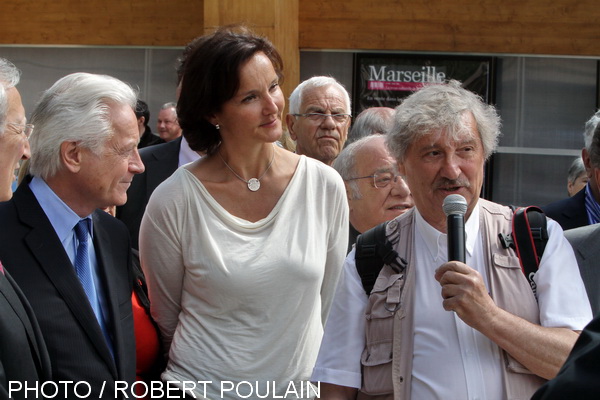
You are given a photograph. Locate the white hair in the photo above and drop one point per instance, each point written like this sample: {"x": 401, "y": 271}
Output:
{"x": 316, "y": 81}
{"x": 439, "y": 107}
{"x": 371, "y": 121}
{"x": 590, "y": 127}
{"x": 345, "y": 163}
{"x": 9, "y": 77}
{"x": 76, "y": 108}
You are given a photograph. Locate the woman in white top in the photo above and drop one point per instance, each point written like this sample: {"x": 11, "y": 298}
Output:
{"x": 242, "y": 249}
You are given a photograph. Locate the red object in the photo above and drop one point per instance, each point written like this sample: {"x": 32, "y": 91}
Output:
{"x": 147, "y": 345}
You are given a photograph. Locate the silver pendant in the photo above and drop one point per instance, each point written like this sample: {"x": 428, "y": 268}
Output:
{"x": 254, "y": 184}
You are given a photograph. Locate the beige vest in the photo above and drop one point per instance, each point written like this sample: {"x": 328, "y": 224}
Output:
{"x": 387, "y": 357}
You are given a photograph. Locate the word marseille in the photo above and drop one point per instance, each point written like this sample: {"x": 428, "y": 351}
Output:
{"x": 159, "y": 390}
{"x": 427, "y": 74}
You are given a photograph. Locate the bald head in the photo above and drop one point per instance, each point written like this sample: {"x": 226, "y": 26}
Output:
{"x": 375, "y": 191}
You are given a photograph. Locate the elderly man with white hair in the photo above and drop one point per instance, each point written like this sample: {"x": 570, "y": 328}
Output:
{"x": 319, "y": 118}
{"x": 71, "y": 259}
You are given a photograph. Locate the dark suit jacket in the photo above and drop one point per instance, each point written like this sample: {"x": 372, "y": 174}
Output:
{"x": 149, "y": 139}
{"x": 160, "y": 162}
{"x": 586, "y": 244}
{"x": 23, "y": 354}
{"x": 36, "y": 259}
{"x": 570, "y": 212}
{"x": 578, "y": 377}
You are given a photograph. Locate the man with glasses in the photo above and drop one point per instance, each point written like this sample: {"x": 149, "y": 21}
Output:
{"x": 23, "y": 354}
{"x": 319, "y": 118}
{"x": 375, "y": 191}
{"x": 583, "y": 208}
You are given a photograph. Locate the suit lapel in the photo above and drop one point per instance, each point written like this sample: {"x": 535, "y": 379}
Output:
{"x": 162, "y": 166}
{"x": 590, "y": 248}
{"x": 47, "y": 249}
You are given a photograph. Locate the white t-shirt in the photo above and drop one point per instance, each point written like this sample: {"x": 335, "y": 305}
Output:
{"x": 450, "y": 359}
{"x": 240, "y": 301}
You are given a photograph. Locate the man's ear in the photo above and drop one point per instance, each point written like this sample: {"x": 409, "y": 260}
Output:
{"x": 595, "y": 174}
{"x": 401, "y": 169}
{"x": 71, "y": 155}
{"x": 587, "y": 163}
{"x": 289, "y": 121}
{"x": 348, "y": 193}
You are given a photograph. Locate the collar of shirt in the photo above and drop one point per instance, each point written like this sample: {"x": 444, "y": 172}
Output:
{"x": 61, "y": 217}
{"x": 591, "y": 206}
{"x": 186, "y": 154}
{"x": 437, "y": 242}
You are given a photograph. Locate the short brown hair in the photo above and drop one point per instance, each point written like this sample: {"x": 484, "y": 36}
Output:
{"x": 211, "y": 77}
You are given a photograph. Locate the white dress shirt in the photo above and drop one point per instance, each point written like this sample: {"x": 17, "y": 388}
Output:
{"x": 186, "y": 154}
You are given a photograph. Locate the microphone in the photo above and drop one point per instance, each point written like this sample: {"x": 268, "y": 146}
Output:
{"x": 455, "y": 207}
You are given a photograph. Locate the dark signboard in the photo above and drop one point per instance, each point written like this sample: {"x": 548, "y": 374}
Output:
{"x": 383, "y": 80}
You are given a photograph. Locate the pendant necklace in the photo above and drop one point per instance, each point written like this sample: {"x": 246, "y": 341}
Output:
{"x": 253, "y": 183}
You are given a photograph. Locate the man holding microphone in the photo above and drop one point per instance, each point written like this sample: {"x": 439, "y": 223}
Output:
{"x": 498, "y": 342}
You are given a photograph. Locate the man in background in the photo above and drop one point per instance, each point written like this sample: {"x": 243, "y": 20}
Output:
{"x": 319, "y": 118}
{"x": 586, "y": 239}
{"x": 167, "y": 125}
{"x": 577, "y": 177}
{"x": 147, "y": 137}
{"x": 371, "y": 121}
{"x": 583, "y": 208}
{"x": 72, "y": 260}
{"x": 375, "y": 191}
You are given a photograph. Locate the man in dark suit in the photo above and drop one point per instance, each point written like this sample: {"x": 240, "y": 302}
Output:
{"x": 160, "y": 162}
{"x": 584, "y": 207}
{"x": 586, "y": 239}
{"x": 23, "y": 354}
{"x": 147, "y": 137}
{"x": 586, "y": 244}
{"x": 72, "y": 260}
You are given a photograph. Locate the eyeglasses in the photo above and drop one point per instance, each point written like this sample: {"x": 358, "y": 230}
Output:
{"x": 320, "y": 117}
{"x": 24, "y": 129}
{"x": 380, "y": 179}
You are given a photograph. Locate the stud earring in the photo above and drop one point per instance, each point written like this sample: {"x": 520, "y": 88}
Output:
{"x": 217, "y": 126}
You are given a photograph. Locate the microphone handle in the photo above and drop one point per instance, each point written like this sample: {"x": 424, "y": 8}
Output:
{"x": 456, "y": 238}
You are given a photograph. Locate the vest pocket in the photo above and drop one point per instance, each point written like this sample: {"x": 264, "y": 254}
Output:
{"x": 377, "y": 369}
{"x": 514, "y": 296}
{"x": 376, "y": 358}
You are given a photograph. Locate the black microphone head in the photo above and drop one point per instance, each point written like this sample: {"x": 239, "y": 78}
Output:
{"x": 454, "y": 204}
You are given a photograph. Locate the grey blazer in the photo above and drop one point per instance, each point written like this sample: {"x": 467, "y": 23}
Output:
{"x": 586, "y": 244}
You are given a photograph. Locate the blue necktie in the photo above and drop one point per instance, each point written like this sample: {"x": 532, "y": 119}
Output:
{"x": 82, "y": 263}
{"x": 84, "y": 273}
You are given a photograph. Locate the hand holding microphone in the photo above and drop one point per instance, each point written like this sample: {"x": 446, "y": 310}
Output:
{"x": 463, "y": 290}
{"x": 455, "y": 207}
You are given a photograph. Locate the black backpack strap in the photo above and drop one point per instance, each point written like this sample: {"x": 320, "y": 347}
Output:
{"x": 373, "y": 250}
{"x": 530, "y": 235}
